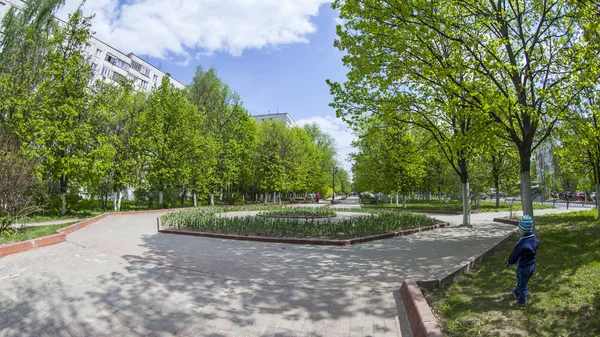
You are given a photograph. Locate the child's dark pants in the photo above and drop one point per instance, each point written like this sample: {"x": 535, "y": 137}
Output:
{"x": 523, "y": 276}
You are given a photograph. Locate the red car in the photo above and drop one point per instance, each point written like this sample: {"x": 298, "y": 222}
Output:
{"x": 579, "y": 196}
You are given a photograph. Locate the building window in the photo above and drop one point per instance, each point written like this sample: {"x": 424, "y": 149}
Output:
{"x": 130, "y": 76}
{"x": 88, "y": 48}
{"x": 135, "y": 65}
{"x": 94, "y": 66}
{"x": 155, "y": 78}
{"x": 98, "y": 52}
{"x": 114, "y": 60}
{"x": 143, "y": 84}
{"x": 118, "y": 77}
{"x": 105, "y": 72}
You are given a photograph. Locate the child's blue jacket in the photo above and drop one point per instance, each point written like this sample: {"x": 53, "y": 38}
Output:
{"x": 524, "y": 252}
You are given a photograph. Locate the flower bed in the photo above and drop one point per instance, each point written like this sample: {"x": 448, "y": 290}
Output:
{"x": 210, "y": 222}
{"x": 299, "y": 212}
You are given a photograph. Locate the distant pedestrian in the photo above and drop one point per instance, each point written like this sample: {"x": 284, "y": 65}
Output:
{"x": 524, "y": 256}
{"x": 318, "y": 196}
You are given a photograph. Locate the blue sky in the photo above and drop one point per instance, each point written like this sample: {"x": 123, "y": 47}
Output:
{"x": 276, "y": 54}
{"x": 289, "y": 77}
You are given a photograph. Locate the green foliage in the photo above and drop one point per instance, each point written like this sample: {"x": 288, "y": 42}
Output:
{"x": 464, "y": 69}
{"x": 207, "y": 221}
{"x": 564, "y": 292}
{"x": 29, "y": 233}
{"x": 100, "y": 138}
{"x": 312, "y": 212}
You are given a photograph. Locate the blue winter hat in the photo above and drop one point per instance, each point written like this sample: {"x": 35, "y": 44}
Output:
{"x": 526, "y": 224}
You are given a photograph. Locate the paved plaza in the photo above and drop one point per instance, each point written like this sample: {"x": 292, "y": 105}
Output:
{"x": 119, "y": 277}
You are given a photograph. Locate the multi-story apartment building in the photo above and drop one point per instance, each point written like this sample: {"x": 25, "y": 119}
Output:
{"x": 111, "y": 64}
{"x": 283, "y": 117}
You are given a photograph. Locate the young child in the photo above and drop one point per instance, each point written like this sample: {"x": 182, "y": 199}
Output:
{"x": 524, "y": 256}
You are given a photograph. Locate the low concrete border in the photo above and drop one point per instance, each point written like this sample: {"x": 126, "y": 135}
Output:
{"x": 22, "y": 246}
{"x": 507, "y": 221}
{"x": 471, "y": 263}
{"x": 17, "y": 247}
{"x": 302, "y": 241}
{"x": 422, "y": 321}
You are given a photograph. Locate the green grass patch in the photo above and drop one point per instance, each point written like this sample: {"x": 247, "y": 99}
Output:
{"x": 315, "y": 212}
{"x": 209, "y": 221}
{"x": 452, "y": 206}
{"x": 564, "y": 295}
{"x": 28, "y": 233}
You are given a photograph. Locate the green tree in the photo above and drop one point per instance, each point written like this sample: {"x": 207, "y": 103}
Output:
{"x": 528, "y": 59}
{"x": 168, "y": 133}
{"x": 62, "y": 129}
{"x": 24, "y": 47}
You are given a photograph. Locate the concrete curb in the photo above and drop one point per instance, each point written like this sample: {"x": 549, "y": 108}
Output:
{"x": 506, "y": 221}
{"x": 17, "y": 247}
{"x": 472, "y": 262}
{"x": 421, "y": 318}
{"x": 302, "y": 241}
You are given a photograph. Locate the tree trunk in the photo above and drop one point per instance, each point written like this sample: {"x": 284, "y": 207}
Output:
{"x": 119, "y": 197}
{"x": 466, "y": 201}
{"x": 525, "y": 162}
{"x": 497, "y": 186}
{"x": 598, "y": 202}
{"x": 212, "y": 198}
{"x": 526, "y": 200}
{"x": 396, "y": 199}
{"x": 404, "y": 201}
{"x": 195, "y": 198}
{"x": 63, "y": 194}
{"x": 183, "y": 193}
{"x": 274, "y": 198}
{"x": 115, "y": 201}
{"x": 63, "y": 200}
{"x": 160, "y": 198}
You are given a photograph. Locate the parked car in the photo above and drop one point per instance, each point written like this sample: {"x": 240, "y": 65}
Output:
{"x": 554, "y": 195}
{"x": 579, "y": 196}
{"x": 566, "y": 195}
{"x": 593, "y": 196}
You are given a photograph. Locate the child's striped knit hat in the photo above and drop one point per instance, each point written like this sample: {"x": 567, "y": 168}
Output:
{"x": 526, "y": 224}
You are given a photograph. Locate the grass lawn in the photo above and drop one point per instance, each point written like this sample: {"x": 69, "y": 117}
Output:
{"x": 564, "y": 295}
{"x": 452, "y": 206}
{"x": 28, "y": 233}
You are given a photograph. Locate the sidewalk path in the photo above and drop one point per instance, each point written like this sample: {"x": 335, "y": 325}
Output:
{"x": 48, "y": 223}
{"x": 119, "y": 277}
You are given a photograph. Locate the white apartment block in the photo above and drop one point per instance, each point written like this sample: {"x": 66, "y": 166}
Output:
{"x": 111, "y": 64}
{"x": 283, "y": 117}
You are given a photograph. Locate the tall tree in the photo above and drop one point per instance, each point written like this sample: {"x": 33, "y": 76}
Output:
{"x": 24, "y": 46}
{"x": 168, "y": 133}
{"x": 530, "y": 58}
{"x": 62, "y": 129}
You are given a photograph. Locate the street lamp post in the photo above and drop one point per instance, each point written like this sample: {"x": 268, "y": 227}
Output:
{"x": 334, "y": 171}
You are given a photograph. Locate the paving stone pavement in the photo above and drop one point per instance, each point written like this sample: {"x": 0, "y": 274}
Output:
{"x": 119, "y": 277}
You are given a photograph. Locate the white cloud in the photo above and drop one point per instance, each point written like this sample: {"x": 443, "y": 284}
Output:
{"x": 188, "y": 28}
{"x": 339, "y": 131}
{"x": 339, "y": 21}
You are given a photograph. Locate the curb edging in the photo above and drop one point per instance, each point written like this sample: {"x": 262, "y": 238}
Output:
{"x": 61, "y": 236}
{"x": 506, "y": 221}
{"x": 302, "y": 241}
{"x": 472, "y": 262}
{"x": 422, "y": 321}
